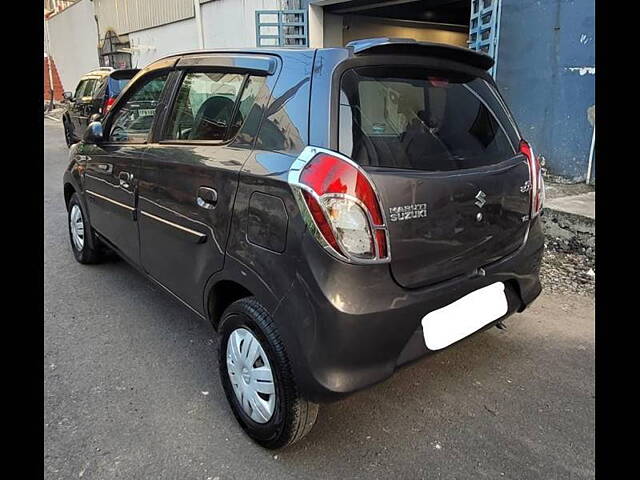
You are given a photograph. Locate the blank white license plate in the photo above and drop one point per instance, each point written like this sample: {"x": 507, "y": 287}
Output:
{"x": 461, "y": 318}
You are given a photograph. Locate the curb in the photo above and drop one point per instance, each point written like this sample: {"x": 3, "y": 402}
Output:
{"x": 569, "y": 232}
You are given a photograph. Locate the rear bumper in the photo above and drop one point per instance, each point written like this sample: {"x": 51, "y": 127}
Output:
{"x": 348, "y": 327}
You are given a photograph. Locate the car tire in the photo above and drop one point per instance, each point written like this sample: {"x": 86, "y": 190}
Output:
{"x": 79, "y": 233}
{"x": 291, "y": 415}
{"x": 68, "y": 136}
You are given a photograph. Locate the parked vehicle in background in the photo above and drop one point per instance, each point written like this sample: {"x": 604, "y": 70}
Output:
{"x": 95, "y": 93}
{"x": 335, "y": 213}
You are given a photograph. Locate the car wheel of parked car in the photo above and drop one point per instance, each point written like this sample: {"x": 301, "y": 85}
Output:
{"x": 257, "y": 377}
{"x": 68, "y": 136}
{"x": 79, "y": 232}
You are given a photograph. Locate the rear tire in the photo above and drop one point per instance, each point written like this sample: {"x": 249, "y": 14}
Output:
{"x": 288, "y": 417}
{"x": 79, "y": 233}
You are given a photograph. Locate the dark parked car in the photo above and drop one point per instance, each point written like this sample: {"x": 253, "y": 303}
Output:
{"x": 95, "y": 93}
{"x": 335, "y": 213}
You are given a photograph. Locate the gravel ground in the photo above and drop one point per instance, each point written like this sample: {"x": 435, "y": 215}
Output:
{"x": 567, "y": 272}
{"x": 568, "y": 265}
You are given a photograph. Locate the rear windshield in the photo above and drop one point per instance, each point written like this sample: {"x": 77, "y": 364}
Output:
{"x": 422, "y": 120}
{"x": 116, "y": 86}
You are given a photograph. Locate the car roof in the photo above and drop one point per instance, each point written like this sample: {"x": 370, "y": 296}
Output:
{"x": 362, "y": 47}
{"x": 248, "y": 51}
{"x": 278, "y": 51}
{"x": 99, "y": 72}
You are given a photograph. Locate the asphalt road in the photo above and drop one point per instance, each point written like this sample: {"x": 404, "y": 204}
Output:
{"x": 132, "y": 390}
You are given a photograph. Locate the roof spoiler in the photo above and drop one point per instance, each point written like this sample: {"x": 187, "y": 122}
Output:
{"x": 410, "y": 46}
{"x": 125, "y": 74}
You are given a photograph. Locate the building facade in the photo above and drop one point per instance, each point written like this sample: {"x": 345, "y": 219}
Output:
{"x": 73, "y": 38}
{"x": 544, "y": 49}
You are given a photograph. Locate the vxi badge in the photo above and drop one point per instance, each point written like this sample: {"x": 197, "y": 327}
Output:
{"x": 407, "y": 212}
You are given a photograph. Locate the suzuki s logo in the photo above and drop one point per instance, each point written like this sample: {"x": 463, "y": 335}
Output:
{"x": 481, "y": 199}
{"x": 407, "y": 212}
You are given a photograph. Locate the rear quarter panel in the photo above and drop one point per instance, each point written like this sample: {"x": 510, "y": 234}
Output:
{"x": 282, "y": 135}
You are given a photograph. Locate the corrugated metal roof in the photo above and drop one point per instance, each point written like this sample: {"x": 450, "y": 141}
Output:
{"x": 125, "y": 16}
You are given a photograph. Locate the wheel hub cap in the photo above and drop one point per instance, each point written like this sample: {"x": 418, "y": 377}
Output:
{"x": 250, "y": 375}
{"x": 77, "y": 227}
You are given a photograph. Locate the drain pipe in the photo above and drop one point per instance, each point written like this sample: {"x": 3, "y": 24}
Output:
{"x": 590, "y": 167}
{"x": 198, "y": 18}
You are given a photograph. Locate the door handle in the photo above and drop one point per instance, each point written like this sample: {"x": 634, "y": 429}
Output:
{"x": 207, "y": 198}
{"x": 125, "y": 179}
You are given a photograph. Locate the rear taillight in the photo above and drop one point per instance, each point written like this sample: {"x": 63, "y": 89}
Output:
{"x": 340, "y": 206}
{"x": 535, "y": 177}
{"x": 107, "y": 105}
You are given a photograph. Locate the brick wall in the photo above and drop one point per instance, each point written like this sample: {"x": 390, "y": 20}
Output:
{"x": 57, "y": 85}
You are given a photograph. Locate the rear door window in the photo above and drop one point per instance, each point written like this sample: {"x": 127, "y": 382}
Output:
{"x": 421, "y": 120}
{"x": 211, "y": 106}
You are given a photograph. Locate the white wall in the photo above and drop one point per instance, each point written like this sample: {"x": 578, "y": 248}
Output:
{"x": 153, "y": 43}
{"x": 73, "y": 38}
{"x": 232, "y": 23}
{"x": 225, "y": 23}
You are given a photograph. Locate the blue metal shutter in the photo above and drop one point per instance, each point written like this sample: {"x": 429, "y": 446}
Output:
{"x": 484, "y": 28}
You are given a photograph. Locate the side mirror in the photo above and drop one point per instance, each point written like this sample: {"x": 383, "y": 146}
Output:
{"x": 93, "y": 133}
{"x": 68, "y": 96}
{"x": 96, "y": 117}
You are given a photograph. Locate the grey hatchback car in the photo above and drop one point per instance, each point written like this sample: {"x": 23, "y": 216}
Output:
{"x": 335, "y": 213}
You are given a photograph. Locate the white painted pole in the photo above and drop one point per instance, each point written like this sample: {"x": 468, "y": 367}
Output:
{"x": 196, "y": 9}
{"x": 498, "y": 12}
{"x": 49, "y": 60}
{"x": 593, "y": 142}
{"x": 316, "y": 26}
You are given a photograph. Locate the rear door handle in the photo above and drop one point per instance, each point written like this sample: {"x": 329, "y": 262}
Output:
{"x": 125, "y": 179}
{"x": 207, "y": 198}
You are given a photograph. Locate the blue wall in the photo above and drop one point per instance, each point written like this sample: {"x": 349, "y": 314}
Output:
{"x": 546, "y": 72}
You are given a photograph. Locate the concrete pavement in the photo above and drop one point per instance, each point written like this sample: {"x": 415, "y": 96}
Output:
{"x": 583, "y": 205}
{"x": 131, "y": 389}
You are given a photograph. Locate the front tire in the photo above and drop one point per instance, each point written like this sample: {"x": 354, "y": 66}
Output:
{"x": 69, "y": 138}
{"x": 257, "y": 378}
{"x": 79, "y": 233}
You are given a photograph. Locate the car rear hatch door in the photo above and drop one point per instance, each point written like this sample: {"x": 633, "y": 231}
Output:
{"x": 442, "y": 151}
